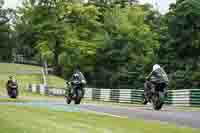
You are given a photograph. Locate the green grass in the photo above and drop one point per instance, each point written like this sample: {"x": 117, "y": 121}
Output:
{"x": 13, "y": 68}
{"x": 7, "y": 69}
{"x": 33, "y": 120}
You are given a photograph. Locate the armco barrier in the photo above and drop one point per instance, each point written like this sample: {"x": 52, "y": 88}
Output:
{"x": 185, "y": 97}
{"x": 40, "y": 89}
{"x": 56, "y": 92}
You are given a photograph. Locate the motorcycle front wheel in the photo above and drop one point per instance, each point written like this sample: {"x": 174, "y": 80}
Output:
{"x": 157, "y": 101}
{"x": 79, "y": 96}
{"x": 68, "y": 99}
{"x": 13, "y": 94}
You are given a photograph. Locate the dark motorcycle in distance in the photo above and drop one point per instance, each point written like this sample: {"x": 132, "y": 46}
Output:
{"x": 76, "y": 93}
{"x": 12, "y": 89}
{"x": 156, "y": 95}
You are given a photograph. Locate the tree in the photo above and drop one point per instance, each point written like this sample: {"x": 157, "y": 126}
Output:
{"x": 129, "y": 46}
{"x": 56, "y": 27}
{"x": 182, "y": 45}
{"x": 6, "y": 44}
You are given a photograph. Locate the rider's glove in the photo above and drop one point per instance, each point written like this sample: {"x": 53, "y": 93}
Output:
{"x": 83, "y": 81}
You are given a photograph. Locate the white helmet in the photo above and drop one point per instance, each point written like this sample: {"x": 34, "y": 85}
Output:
{"x": 156, "y": 66}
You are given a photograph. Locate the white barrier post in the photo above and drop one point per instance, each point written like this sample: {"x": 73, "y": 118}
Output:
{"x": 34, "y": 88}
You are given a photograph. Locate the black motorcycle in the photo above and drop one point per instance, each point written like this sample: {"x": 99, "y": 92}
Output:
{"x": 156, "y": 95}
{"x": 76, "y": 92}
{"x": 12, "y": 89}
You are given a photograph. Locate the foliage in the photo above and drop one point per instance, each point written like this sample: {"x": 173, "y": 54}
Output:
{"x": 6, "y": 33}
{"x": 55, "y": 30}
{"x": 129, "y": 46}
{"x": 115, "y": 42}
{"x": 183, "y": 42}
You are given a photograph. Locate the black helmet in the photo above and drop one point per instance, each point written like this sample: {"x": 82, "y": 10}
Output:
{"x": 10, "y": 77}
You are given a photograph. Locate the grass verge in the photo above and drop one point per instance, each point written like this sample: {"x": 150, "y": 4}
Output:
{"x": 15, "y": 119}
{"x": 26, "y": 74}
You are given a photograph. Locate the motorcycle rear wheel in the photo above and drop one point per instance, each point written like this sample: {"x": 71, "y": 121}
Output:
{"x": 68, "y": 100}
{"x": 144, "y": 100}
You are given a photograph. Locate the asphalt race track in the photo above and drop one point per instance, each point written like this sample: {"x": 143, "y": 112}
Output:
{"x": 167, "y": 115}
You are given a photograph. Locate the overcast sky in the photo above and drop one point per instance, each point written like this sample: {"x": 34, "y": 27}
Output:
{"x": 162, "y": 5}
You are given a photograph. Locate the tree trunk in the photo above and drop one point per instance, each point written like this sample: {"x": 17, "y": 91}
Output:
{"x": 58, "y": 70}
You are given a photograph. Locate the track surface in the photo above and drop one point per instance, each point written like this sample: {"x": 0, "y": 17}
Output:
{"x": 167, "y": 114}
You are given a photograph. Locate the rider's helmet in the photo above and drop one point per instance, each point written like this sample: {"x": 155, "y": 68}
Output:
{"x": 156, "y": 66}
{"x": 10, "y": 77}
{"x": 75, "y": 76}
{"x": 12, "y": 80}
